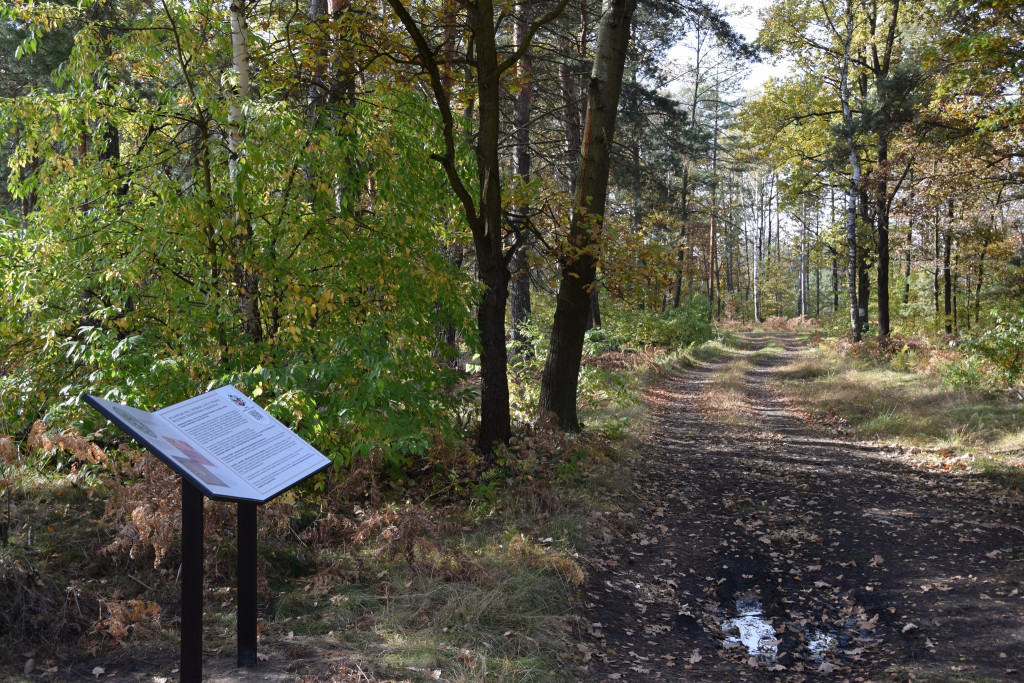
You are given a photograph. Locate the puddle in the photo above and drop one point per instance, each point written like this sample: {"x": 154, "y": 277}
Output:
{"x": 750, "y": 629}
{"x": 821, "y": 644}
{"x": 755, "y": 632}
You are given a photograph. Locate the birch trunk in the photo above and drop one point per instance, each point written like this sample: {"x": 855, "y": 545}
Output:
{"x": 851, "y": 197}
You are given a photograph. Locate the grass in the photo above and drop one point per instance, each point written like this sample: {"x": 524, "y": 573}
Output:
{"x": 890, "y": 401}
{"x": 475, "y": 574}
{"x": 742, "y": 354}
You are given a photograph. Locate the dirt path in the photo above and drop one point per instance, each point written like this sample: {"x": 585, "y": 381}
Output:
{"x": 866, "y": 567}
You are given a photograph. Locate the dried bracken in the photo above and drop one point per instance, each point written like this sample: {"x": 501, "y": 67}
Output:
{"x": 71, "y": 441}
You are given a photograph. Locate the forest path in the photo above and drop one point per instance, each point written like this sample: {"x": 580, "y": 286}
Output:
{"x": 865, "y": 566}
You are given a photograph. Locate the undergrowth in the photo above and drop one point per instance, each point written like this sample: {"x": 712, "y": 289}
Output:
{"x": 465, "y": 566}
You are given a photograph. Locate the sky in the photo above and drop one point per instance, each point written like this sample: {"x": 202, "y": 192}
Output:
{"x": 743, "y": 15}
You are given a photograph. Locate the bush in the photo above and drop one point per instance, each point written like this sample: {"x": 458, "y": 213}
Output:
{"x": 674, "y": 328}
{"x": 1002, "y": 345}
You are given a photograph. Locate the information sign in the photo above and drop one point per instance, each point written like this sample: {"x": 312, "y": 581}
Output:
{"x": 222, "y": 442}
{"x": 225, "y": 447}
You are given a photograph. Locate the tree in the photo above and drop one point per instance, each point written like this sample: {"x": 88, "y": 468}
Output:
{"x": 579, "y": 266}
{"x": 484, "y": 212}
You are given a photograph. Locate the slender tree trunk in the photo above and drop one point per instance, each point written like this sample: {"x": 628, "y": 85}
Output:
{"x": 981, "y": 277}
{"x": 937, "y": 249}
{"x": 483, "y": 213}
{"x": 947, "y": 274}
{"x": 758, "y": 244}
{"x": 448, "y": 347}
{"x": 851, "y": 197}
{"x": 863, "y": 294}
{"x": 520, "y": 299}
{"x": 560, "y": 380}
{"x": 681, "y": 256}
{"x": 495, "y": 415}
{"x": 906, "y": 266}
{"x": 246, "y": 274}
{"x": 882, "y": 221}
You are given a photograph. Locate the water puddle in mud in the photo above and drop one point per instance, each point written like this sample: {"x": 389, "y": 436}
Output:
{"x": 750, "y": 629}
{"x": 754, "y": 631}
{"x": 821, "y": 644}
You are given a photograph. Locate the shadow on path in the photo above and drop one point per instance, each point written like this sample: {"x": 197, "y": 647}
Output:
{"x": 865, "y": 566}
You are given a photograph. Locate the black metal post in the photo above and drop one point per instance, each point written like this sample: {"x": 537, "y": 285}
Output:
{"x": 191, "y": 583}
{"x": 246, "y": 584}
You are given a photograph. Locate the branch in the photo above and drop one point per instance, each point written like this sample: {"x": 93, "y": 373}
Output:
{"x": 507, "y": 63}
{"x": 429, "y": 63}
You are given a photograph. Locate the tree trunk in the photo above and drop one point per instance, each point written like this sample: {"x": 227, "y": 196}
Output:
{"x": 981, "y": 277}
{"x": 677, "y": 294}
{"x": 758, "y": 244}
{"x": 495, "y": 415}
{"x": 520, "y": 299}
{"x": 936, "y": 248}
{"x": 560, "y": 380}
{"x": 594, "y": 316}
{"x": 906, "y": 266}
{"x": 947, "y": 275}
{"x": 246, "y": 274}
{"x": 851, "y": 197}
{"x": 863, "y": 295}
{"x": 882, "y": 221}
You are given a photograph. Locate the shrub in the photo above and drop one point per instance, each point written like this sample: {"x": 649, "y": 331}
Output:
{"x": 674, "y": 328}
{"x": 1002, "y": 345}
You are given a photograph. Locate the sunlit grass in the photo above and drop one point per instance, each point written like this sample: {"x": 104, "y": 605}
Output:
{"x": 911, "y": 407}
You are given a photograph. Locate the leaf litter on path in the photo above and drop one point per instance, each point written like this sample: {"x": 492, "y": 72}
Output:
{"x": 838, "y": 542}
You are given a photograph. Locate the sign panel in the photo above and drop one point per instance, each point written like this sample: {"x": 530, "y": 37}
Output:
{"x": 222, "y": 442}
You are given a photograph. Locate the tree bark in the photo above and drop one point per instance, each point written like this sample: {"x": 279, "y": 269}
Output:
{"x": 560, "y": 380}
{"x": 520, "y": 266}
{"x": 851, "y": 197}
{"x": 246, "y": 276}
{"x": 947, "y": 275}
{"x": 863, "y": 294}
{"x": 882, "y": 222}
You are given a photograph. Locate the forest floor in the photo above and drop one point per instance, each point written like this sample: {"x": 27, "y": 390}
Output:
{"x": 746, "y": 540}
{"x": 838, "y": 558}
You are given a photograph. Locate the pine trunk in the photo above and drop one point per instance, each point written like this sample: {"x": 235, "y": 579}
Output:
{"x": 560, "y": 380}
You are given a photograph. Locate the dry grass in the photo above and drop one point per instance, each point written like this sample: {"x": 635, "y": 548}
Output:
{"x": 474, "y": 573}
{"x": 882, "y": 396}
{"x": 728, "y": 396}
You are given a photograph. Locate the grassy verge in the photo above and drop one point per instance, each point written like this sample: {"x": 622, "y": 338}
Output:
{"x": 886, "y": 399}
{"x": 467, "y": 571}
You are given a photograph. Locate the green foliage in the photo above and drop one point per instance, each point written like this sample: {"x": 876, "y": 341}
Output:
{"x": 128, "y": 276}
{"x": 1002, "y": 345}
{"x": 965, "y": 371}
{"x": 674, "y": 328}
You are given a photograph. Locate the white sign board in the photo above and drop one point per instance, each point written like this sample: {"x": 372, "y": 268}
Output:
{"x": 225, "y": 444}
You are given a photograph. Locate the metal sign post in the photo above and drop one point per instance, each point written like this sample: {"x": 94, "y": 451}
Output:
{"x": 246, "y": 584}
{"x": 224, "y": 447}
{"x": 191, "y": 583}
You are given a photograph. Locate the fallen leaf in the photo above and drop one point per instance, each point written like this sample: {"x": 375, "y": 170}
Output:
{"x": 910, "y": 627}
{"x": 98, "y": 671}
